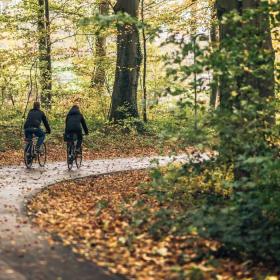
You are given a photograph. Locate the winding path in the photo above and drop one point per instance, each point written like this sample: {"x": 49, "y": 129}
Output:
{"x": 24, "y": 251}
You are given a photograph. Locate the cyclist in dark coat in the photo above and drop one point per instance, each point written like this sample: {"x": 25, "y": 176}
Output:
{"x": 33, "y": 122}
{"x": 75, "y": 122}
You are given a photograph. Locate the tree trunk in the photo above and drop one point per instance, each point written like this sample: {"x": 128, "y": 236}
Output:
{"x": 225, "y": 31}
{"x": 129, "y": 57}
{"x": 253, "y": 84}
{"x": 214, "y": 41}
{"x": 44, "y": 43}
{"x": 265, "y": 82}
{"x": 99, "y": 74}
{"x": 145, "y": 117}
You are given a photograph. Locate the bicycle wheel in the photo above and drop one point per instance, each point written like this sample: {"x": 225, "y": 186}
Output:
{"x": 79, "y": 159}
{"x": 70, "y": 155}
{"x": 42, "y": 155}
{"x": 28, "y": 155}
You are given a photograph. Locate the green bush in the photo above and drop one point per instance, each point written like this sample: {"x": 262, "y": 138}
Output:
{"x": 235, "y": 197}
{"x": 249, "y": 222}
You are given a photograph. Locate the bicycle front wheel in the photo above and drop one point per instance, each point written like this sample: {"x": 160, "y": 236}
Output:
{"x": 42, "y": 155}
{"x": 28, "y": 155}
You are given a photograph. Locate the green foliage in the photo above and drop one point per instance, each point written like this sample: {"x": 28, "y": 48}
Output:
{"x": 249, "y": 222}
{"x": 235, "y": 196}
{"x": 10, "y": 138}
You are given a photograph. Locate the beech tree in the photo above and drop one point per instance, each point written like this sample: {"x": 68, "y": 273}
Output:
{"x": 247, "y": 80}
{"x": 214, "y": 32}
{"x": 44, "y": 43}
{"x": 99, "y": 73}
{"x": 264, "y": 82}
{"x": 129, "y": 57}
{"x": 144, "y": 38}
{"x": 225, "y": 31}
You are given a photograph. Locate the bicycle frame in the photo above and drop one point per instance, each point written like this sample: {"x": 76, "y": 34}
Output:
{"x": 30, "y": 154}
{"x": 29, "y": 144}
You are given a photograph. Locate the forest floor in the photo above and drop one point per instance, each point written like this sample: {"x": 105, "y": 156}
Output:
{"x": 92, "y": 218}
{"x": 96, "y": 217}
{"x": 25, "y": 252}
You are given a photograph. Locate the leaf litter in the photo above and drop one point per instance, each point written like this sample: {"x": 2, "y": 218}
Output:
{"x": 94, "y": 217}
{"x": 57, "y": 152}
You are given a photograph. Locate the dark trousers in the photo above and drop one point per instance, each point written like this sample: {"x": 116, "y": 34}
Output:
{"x": 38, "y": 132}
{"x": 79, "y": 137}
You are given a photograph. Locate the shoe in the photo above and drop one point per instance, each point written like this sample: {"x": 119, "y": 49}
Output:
{"x": 39, "y": 150}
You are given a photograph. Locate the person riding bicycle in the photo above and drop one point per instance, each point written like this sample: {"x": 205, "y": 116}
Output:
{"x": 32, "y": 125}
{"x": 75, "y": 122}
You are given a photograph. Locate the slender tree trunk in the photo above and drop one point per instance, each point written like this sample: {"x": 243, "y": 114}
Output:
{"x": 129, "y": 57}
{"x": 3, "y": 94}
{"x": 99, "y": 73}
{"x": 214, "y": 41}
{"x": 145, "y": 117}
{"x": 44, "y": 43}
{"x": 41, "y": 42}
{"x": 48, "y": 55}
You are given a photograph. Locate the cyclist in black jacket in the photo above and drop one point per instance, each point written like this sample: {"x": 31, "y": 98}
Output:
{"x": 75, "y": 122}
{"x": 32, "y": 125}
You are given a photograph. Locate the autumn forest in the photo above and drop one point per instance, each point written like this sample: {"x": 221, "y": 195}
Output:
{"x": 139, "y": 139}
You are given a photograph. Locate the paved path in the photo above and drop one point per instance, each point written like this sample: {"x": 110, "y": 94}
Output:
{"x": 25, "y": 252}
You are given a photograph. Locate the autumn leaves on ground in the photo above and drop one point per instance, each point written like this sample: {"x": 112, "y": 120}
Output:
{"x": 99, "y": 218}
{"x": 104, "y": 219}
{"x": 151, "y": 77}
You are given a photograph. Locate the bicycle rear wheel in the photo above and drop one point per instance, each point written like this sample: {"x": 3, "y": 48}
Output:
{"x": 28, "y": 155}
{"x": 42, "y": 155}
{"x": 79, "y": 159}
{"x": 70, "y": 155}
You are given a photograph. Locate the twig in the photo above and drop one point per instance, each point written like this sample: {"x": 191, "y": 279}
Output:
{"x": 111, "y": 5}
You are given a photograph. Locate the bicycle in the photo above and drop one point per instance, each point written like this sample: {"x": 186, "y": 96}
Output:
{"x": 30, "y": 154}
{"x": 73, "y": 154}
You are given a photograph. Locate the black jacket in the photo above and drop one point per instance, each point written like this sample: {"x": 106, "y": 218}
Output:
{"x": 35, "y": 118}
{"x": 75, "y": 121}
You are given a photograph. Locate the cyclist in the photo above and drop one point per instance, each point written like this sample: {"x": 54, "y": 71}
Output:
{"x": 32, "y": 125}
{"x": 75, "y": 122}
